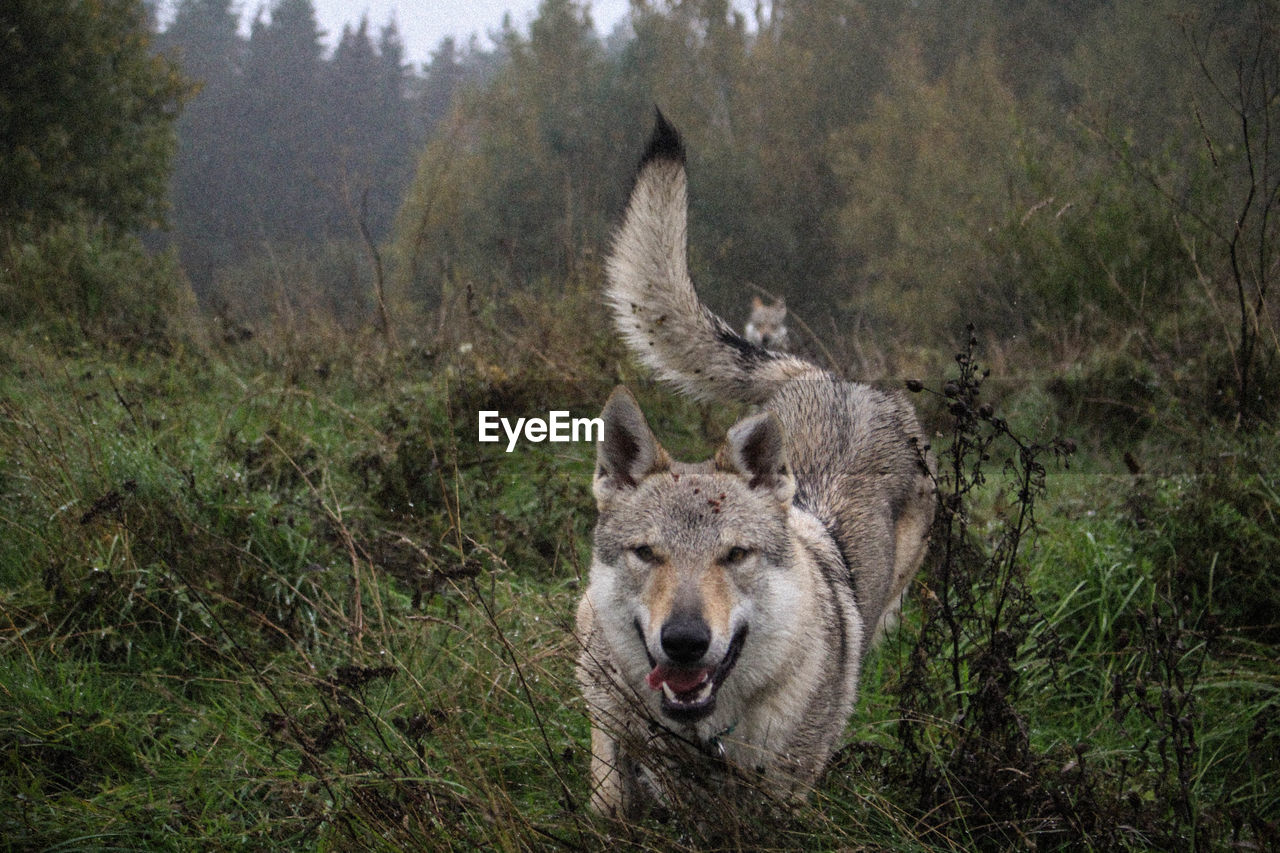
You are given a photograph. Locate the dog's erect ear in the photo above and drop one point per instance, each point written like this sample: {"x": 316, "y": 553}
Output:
{"x": 628, "y": 452}
{"x": 755, "y": 448}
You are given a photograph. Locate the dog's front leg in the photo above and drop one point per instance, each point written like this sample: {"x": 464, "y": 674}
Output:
{"x": 606, "y": 774}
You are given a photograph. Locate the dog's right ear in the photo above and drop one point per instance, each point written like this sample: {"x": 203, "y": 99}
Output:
{"x": 628, "y": 452}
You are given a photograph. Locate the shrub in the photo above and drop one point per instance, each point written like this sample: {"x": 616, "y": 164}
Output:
{"x": 81, "y": 280}
{"x": 964, "y": 744}
{"x": 1111, "y": 394}
{"x": 1215, "y": 531}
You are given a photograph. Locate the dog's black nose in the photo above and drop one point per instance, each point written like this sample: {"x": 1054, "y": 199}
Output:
{"x": 685, "y": 639}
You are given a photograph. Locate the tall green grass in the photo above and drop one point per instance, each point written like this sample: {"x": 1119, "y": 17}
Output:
{"x": 274, "y": 594}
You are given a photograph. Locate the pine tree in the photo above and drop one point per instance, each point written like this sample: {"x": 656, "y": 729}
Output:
{"x": 443, "y": 74}
{"x": 368, "y": 119}
{"x": 351, "y": 101}
{"x": 87, "y": 114}
{"x": 284, "y": 158}
{"x": 203, "y": 39}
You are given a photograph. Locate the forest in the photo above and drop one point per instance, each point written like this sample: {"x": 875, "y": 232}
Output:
{"x": 261, "y": 586}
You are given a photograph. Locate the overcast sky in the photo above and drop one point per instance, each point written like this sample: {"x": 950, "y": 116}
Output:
{"x": 423, "y": 23}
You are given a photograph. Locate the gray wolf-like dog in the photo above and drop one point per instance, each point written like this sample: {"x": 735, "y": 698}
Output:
{"x": 731, "y": 601}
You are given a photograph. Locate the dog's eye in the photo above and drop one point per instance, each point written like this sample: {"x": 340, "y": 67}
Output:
{"x": 735, "y": 555}
{"x": 645, "y": 554}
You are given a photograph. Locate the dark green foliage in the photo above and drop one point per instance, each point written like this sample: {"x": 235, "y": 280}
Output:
{"x": 1095, "y": 250}
{"x": 207, "y": 183}
{"x": 1214, "y": 531}
{"x": 371, "y": 127}
{"x": 514, "y": 186}
{"x": 86, "y": 116}
{"x": 81, "y": 279}
{"x": 282, "y": 100}
{"x": 1115, "y": 396}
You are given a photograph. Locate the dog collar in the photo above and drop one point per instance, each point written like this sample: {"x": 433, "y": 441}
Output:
{"x": 715, "y": 746}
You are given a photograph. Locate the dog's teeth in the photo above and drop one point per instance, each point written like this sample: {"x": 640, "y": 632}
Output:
{"x": 703, "y": 694}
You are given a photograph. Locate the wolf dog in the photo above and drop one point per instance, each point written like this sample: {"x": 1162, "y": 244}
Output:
{"x": 767, "y": 324}
{"x": 730, "y": 602}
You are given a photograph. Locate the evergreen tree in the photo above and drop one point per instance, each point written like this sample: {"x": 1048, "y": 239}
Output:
{"x": 542, "y": 138}
{"x": 203, "y": 39}
{"x": 443, "y": 73}
{"x": 206, "y": 192}
{"x": 393, "y": 75}
{"x": 284, "y": 146}
{"x": 399, "y": 134}
{"x": 353, "y": 110}
{"x": 368, "y": 117}
{"x": 87, "y": 114}
{"x": 283, "y": 153}
{"x": 928, "y": 175}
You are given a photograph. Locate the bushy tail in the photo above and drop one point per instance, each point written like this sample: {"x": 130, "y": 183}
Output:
{"x": 654, "y": 303}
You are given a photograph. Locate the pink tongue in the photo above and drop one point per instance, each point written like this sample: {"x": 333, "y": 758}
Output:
{"x": 679, "y": 680}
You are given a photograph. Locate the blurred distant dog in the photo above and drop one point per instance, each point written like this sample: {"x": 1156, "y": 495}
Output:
{"x": 767, "y": 325}
{"x": 731, "y": 601}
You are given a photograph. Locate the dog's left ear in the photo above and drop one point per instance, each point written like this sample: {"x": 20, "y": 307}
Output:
{"x": 756, "y": 449}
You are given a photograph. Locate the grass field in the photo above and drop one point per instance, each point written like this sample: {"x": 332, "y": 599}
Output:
{"x": 278, "y": 596}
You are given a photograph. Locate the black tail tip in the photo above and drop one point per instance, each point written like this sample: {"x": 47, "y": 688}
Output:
{"x": 665, "y": 142}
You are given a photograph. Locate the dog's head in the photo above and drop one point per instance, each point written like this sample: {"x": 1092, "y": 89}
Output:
{"x": 689, "y": 576}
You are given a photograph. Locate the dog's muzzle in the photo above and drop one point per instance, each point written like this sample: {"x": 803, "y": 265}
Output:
{"x": 689, "y": 691}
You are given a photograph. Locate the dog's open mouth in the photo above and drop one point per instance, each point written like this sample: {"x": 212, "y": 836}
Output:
{"x": 688, "y": 695}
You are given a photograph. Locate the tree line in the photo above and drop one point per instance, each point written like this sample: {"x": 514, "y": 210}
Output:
{"x": 220, "y": 146}
{"x": 1063, "y": 174}
{"x": 284, "y": 145}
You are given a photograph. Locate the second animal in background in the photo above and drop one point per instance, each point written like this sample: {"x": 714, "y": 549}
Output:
{"x": 767, "y": 325}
